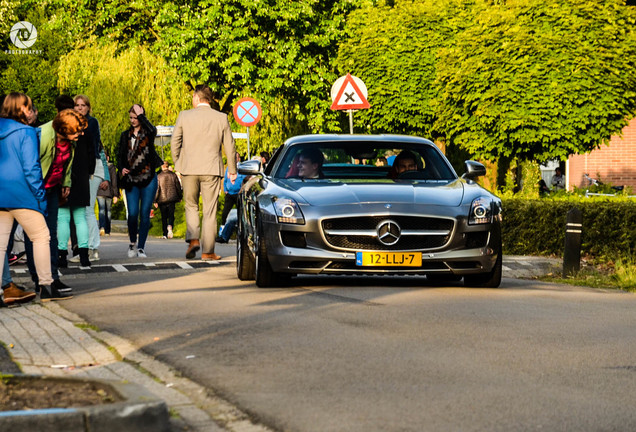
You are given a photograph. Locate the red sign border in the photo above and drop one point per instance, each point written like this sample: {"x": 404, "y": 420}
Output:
{"x": 364, "y": 104}
{"x": 258, "y": 106}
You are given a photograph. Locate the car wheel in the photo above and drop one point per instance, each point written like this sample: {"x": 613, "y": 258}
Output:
{"x": 491, "y": 279}
{"x": 265, "y": 276}
{"x": 245, "y": 265}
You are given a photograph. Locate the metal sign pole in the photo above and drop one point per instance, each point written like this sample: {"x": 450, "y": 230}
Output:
{"x": 248, "y": 143}
{"x": 351, "y": 122}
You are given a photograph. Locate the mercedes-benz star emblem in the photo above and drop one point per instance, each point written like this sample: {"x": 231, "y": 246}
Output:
{"x": 388, "y": 232}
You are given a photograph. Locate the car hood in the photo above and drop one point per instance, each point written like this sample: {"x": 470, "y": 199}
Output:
{"x": 329, "y": 192}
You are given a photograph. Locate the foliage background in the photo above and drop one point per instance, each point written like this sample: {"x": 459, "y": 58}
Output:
{"x": 115, "y": 80}
{"x": 495, "y": 79}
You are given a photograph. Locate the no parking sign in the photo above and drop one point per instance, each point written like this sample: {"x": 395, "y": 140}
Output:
{"x": 247, "y": 112}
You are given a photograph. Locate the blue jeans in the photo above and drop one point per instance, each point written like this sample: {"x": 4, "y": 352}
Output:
{"x": 105, "y": 204}
{"x": 230, "y": 225}
{"x": 52, "y": 206}
{"x": 139, "y": 205}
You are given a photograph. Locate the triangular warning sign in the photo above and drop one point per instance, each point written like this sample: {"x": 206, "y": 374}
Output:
{"x": 349, "y": 96}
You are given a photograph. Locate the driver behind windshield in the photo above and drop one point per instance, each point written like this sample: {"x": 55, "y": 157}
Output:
{"x": 310, "y": 163}
{"x": 405, "y": 161}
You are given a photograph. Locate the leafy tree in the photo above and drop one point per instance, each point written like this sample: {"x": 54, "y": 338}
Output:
{"x": 8, "y": 17}
{"x": 276, "y": 51}
{"x": 393, "y": 48}
{"x": 537, "y": 79}
{"x": 527, "y": 79}
{"x": 114, "y": 81}
{"x": 279, "y": 50}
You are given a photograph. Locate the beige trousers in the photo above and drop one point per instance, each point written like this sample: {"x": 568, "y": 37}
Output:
{"x": 208, "y": 187}
{"x": 34, "y": 225}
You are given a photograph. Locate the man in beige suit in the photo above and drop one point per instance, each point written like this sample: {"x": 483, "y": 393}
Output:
{"x": 198, "y": 136}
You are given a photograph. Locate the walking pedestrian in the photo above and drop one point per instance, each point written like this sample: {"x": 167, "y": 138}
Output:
{"x": 106, "y": 198}
{"x": 198, "y": 137}
{"x": 25, "y": 192}
{"x": 74, "y": 208}
{"x": 100, "y": 177}
{"x": 231, "y": 189}
{"x": 169, "y": 192}
{"x": 137, "y": 162}
{"x": 57, "y": 145}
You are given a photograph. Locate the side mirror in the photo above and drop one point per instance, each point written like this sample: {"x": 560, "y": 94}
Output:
{"x": 474, "y": 170}
{"x": 250, "y": 167}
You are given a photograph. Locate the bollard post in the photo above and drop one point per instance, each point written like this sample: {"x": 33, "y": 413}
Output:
{"x": 572, "y": 252}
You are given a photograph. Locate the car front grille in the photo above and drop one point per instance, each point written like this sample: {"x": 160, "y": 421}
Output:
{"x": 360, "y": 233}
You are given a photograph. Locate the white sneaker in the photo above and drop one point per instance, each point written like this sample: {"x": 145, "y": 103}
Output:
{"x": 141, "y": 253}
{"x": 132, "y": 253}
{"x": 170, "y": 234}
{"x": 93, "y": 255}
{"x": 75, "y": 259}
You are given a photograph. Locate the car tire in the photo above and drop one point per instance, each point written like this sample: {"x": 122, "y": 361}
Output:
{"x": 245, "y": 265}
{"x": 492, "y": 279}
{"x": 265, "y": 276}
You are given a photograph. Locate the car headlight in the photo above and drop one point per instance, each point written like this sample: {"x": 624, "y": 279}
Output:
{"x": 480, "y": 211}
{"x": 288, "y": 211}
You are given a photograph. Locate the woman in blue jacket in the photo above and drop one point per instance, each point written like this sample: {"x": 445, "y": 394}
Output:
{"x": 22, "y": 194}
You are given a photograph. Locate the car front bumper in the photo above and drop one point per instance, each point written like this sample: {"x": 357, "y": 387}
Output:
{"x": 303, "y": 249}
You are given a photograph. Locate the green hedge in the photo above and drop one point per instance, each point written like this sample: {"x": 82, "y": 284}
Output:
{"x": 537, "y": 226}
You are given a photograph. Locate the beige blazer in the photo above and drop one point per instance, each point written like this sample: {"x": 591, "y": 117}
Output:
{"x": 197, "y": 139}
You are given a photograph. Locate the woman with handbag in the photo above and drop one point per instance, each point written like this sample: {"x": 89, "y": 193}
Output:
{"x": 137, "y": 162}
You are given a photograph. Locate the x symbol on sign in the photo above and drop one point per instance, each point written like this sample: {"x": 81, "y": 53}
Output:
{"x": 350, "y": 97}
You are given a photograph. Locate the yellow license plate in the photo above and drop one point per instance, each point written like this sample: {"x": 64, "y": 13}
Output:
{"x": 389, "y": 259}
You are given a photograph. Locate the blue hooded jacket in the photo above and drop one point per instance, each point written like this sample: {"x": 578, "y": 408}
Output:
{"x": 21, "y": 183}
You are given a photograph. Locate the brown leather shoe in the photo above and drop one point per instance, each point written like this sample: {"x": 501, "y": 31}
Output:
{"x": 210, "y": 257}
{"x": 13, "y": 294}
{"x": 193, "y": 248}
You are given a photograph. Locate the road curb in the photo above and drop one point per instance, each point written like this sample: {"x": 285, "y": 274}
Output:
{"x": 139, "y": 411}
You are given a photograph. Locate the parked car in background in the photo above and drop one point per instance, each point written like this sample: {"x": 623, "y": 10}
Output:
{"x": 329, "y": 205}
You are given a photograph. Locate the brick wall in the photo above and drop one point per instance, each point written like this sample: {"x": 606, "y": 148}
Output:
{"x": 614, "y": 163}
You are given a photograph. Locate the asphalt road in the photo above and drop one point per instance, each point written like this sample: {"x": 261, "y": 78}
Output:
{"x": 378, "y": 354}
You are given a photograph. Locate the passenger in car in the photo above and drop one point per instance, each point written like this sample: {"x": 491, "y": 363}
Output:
{"x": 381, "y": 161}
{"x": 293, "y": 168}
{"x": 310, "y": 164}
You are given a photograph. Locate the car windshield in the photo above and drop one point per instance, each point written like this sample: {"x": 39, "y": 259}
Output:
{"x": 363, "y": 160}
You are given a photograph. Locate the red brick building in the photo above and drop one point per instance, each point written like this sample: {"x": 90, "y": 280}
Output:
{"x": 614, "y": 163}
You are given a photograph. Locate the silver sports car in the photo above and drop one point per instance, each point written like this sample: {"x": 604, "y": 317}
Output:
{"x": 366, "y": 204}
